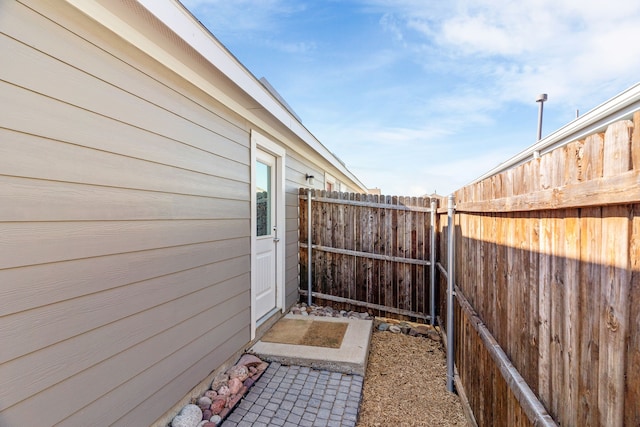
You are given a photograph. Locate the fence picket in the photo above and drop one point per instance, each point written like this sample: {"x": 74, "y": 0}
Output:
{"x": 561, "y": 297}
{"x": 387, "y": 250}
{"x": 632, "y": 389}
{"x": 371, "y": 250}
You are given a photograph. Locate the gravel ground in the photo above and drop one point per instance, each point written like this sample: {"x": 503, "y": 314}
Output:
{"x": 405, "y": 384}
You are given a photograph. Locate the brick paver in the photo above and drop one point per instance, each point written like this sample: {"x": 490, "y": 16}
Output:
{"x": 299, "y": 396}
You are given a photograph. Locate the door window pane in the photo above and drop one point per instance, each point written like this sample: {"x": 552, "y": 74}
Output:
{"x": 263, "y": 197}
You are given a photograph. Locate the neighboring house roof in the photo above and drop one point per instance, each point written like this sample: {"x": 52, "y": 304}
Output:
{"x": 248, "y": 96}
{"x": 620, "y": 107}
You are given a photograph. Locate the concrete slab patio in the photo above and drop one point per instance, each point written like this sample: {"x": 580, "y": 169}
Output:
{"x": 350, "y": 357}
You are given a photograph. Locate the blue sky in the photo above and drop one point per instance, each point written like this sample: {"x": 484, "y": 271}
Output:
{"x": 417, "y": 96}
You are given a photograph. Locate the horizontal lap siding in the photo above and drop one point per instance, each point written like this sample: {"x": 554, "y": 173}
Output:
{"x": 297, "y": 169}
{"x": 125, "y": 224}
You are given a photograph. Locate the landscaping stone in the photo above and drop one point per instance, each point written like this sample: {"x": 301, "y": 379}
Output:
{"x": 203, "y": 402}
{"x": 249, "y": 360}
{"x": 327, "y": 311}
{"x": 226, "y": 391}
{"x": 219, "y": 381}
{"x": 189, "y": 416}
{"x": 383, "y": 326}
{"x": 238, "y": 371}
{"x": 206, "y": 414}
{"x": 218, "y": 405}
{"x": 235, "y": 384}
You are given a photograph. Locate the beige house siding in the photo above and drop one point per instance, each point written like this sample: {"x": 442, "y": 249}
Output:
{"x": 297, "y": 169}
{"x": 124, "y": 224}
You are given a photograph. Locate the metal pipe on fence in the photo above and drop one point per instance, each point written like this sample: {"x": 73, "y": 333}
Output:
{"x": 432, "y": 267}
{"x": 542, "y": 98}
{"x": 309, "y": 244}
{"x": 450, "y": 290}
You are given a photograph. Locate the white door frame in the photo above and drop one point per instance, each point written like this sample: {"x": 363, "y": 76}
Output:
{"x": 259, "y": 141}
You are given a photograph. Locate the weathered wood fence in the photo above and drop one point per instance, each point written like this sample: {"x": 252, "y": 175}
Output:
{"x": 547, "y": 278}
{"x": 369, "y": 251}
{"x": 548, "y": 273}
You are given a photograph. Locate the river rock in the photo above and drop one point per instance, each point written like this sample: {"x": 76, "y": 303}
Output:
{"x": 219, "y": 381}
{"x": 189, "y": 416}
{"x": 238, "y": 371}
{"x": 249, "y": 382}
{"x": 218, "y": 405}
{"x": 234, "y": 385}
{"x": 383, "y": 326}
{"x": 204, "y": 402}
{"x": 211, "y": 394}
{"x": 395, "y": 329}
{"x": 215, "y": 419}
{"x": 224, "y": 390}
{"x": 233, "y": 400}
{"x": 249, "y": 360}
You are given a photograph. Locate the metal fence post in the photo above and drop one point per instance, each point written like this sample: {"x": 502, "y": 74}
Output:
{"x": 309, "y": 244}
{"x": 450, "y": 290}
{"x": 432, "y": 260}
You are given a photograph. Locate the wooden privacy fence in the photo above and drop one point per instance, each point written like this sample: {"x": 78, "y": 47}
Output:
{"x": 369, "y": 251}
{"x": 547, "y": 268}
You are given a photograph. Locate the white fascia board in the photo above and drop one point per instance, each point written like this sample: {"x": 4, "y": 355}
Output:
{"x": 177, "y": 18}
{"x": 621, "y": 106}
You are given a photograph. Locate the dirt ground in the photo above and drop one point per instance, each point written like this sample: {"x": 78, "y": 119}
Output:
{"x": 405, "y": 384}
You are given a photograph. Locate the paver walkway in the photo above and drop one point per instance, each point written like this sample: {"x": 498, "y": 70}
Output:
{"x": 299, "y": 396}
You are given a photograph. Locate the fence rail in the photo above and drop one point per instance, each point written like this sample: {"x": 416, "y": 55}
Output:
{"x": 546, "y": 267}
{"x": 548, "y": 259}
{"x": 369, "y": 251}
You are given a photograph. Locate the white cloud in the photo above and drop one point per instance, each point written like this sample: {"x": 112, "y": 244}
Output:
{"x": 567, "y": 48}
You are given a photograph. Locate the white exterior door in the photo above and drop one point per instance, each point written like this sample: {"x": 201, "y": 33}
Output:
{"x": 267, "y": 229}
{"x": 265, "y": 285}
